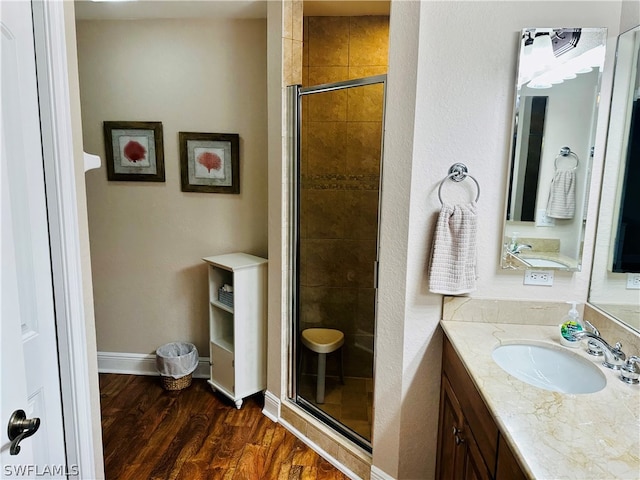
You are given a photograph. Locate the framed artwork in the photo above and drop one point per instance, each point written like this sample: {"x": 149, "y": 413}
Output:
{"x": 209, "y": 162}
{"x": 134, "y": 151}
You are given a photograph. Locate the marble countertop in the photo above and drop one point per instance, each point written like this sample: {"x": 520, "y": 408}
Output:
{"x": 554, "y": 435}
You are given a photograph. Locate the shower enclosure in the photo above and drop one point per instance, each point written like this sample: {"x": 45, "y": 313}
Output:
{"x": 336, "y": 155}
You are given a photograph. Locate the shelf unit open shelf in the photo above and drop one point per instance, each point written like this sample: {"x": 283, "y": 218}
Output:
{"x": 237, "y": 335}
{"x": 222, "y": 306}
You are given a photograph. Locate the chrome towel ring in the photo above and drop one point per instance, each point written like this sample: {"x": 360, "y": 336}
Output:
{"x": 457, "y": 173}
{"x": 566, "y": 152}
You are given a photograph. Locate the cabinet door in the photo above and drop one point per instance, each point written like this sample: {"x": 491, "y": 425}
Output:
{"x": 476, "y": 413}
{"x": 222, "y": 368}
{"x": 508, "y": 467}
{"x": 451, "y": 446}
{"x": 474, "y": 466}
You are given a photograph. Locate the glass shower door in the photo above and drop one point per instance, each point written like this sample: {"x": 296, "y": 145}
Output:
{"x": 337, "y": 190}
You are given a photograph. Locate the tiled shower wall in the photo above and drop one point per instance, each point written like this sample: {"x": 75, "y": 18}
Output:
{"x": 341, "y": 149}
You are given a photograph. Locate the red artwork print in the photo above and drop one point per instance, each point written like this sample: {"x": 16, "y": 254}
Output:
{"x": 134, "y": 151}
{"x": 210, "y": 161}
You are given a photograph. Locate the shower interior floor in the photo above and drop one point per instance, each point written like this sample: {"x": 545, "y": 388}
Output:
{"x": 351, "y": 404}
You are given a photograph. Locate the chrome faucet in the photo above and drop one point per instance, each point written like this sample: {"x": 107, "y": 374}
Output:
{"x": 592, "y": 347}
{"x": 516, "y": 249}
{"x": 614, "y": 357}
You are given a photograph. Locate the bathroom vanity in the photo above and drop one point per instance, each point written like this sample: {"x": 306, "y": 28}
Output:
{"x": 494, "y": 426}
{"x": 470, "y": 445}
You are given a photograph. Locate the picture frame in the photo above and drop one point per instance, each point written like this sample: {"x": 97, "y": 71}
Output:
{"x": 134, "y": 151}
{"x": 210, "y": 162}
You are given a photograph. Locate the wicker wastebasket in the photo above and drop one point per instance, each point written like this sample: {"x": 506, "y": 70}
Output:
{"x": 176, "y": 362}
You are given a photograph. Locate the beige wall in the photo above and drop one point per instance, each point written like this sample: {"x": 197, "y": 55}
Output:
{"x": 147, "y": 239}
{"x": 451, "y": 84}
{"x": 630, "y": 15}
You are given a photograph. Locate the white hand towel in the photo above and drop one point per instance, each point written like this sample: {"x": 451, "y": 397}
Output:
{"x": 453, "y": 258}
{"x": 562, "y": 195}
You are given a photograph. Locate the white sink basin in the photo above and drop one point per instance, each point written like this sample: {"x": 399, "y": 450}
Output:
{"x": 543, "y": 262}
{"x": 551, "y": 368}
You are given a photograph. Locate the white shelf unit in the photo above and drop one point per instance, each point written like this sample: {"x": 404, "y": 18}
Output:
{"x": 238, "y": 334}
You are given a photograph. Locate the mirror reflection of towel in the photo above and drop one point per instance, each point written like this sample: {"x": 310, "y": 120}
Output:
{"x": 453, "y": 261}
{"x": 562, "y": 195}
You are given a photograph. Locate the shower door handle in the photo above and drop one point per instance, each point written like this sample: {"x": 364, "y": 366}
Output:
{"x": 375, "y": 273}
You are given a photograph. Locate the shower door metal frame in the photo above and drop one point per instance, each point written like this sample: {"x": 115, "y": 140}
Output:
{"x": 294, "y": 109}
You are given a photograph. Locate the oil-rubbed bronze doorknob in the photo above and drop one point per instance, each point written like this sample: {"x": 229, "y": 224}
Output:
{"x": 20, "y": 427}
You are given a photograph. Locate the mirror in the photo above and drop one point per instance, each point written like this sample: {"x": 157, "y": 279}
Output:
{"x": 556, "y": 108}
{"x": 616, "y": 267}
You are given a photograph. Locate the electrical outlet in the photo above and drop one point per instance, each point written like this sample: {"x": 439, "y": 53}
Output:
{"x": 633, "y": 281}
{"x": 538, "y": 277}
{"x": 542, "y": 220}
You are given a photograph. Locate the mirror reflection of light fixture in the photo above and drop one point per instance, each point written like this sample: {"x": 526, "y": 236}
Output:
{"x": 543, "y": 60}
{"x": 527, "y": 44}
{"x": 565, "y": 39}
{"x": 543, "y": 51}
{"x": 567, "y": 70}
{"x": 537, "y": 54}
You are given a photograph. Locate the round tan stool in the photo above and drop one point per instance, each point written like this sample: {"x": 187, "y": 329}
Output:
{"x": 323, "y": 341}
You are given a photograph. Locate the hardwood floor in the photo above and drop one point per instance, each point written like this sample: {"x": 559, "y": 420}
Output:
{"x": 150, "y": 433}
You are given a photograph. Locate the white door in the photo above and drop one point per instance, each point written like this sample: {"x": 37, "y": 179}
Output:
{"x": 29, "y": 376}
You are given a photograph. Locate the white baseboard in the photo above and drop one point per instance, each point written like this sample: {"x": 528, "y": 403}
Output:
{"x": 271, "y": 406}
{"x": 316, "y": 448}
{"x": 377, "y": 474}
{"x": 140, "y": 364}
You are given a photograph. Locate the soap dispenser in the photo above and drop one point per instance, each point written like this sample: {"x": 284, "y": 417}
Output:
{"x": 571, "y": 323}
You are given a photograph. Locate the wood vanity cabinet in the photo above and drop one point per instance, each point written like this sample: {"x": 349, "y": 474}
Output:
{"x": 458, "y": 453}
{"x": 470, "y": 446}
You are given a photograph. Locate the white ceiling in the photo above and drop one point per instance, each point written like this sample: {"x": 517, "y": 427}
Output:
{"x": 141, "y": 9}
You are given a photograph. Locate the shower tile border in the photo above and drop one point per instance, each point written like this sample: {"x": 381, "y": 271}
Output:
{"x": 340, "y": 182}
